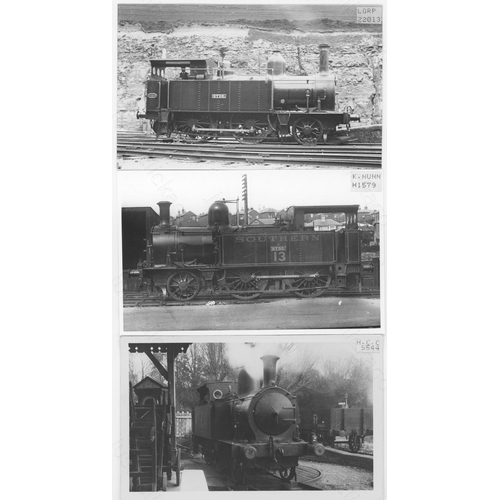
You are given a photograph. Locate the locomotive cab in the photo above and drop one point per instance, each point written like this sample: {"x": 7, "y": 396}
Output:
{"x": 158, "y": 86}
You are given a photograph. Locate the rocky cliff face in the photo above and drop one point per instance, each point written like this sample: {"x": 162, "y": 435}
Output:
{"x": 355, "y": 59}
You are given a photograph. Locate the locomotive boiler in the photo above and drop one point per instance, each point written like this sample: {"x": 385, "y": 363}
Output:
{"x": 210, "y": 101}
{"x": 246, "y": 261}
{"x": 239, "y": 427}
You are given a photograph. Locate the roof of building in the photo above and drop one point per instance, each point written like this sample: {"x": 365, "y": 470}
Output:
{"x": 264, "y": 222}
{"x": 149, "y": 383}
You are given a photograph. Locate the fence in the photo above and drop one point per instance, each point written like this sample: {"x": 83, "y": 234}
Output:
{"x": 183, "y": 421}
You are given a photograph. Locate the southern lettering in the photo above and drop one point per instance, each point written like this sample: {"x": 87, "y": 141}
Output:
{"x": 274, "y": 239}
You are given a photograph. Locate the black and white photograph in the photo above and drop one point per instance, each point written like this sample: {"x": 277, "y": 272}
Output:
{"x": 249, "y": 250}
{"x": 250, "y": 193}
{"x": 302, "y": 413}
{"x": 265, "y": 84}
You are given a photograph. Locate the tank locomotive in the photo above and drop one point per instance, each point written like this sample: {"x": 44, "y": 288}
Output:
{"x": 208, "y": 101}
{"x": 288, "y": 256}
{"x": 242, "y": 428}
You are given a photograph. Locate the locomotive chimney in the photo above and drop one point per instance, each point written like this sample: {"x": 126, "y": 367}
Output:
{"x": 323, "y": 59}
{"x": 269, "y": 361}
{"x": 164, "y": 213}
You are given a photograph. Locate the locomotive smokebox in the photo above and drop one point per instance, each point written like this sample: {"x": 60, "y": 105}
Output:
{"x": 269, "y": 361}
{"x": 323, "y": 59}
{"x": 164, "y": 213}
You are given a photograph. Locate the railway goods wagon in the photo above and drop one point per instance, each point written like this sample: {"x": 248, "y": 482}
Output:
{"x": 351, "y": 425}
{"x": 210, "y": 101}
{"x": 239, "y": 426}
{"x": 250, "y": 260}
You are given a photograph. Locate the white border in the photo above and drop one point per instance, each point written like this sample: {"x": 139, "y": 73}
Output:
{"x": 379, "y": 385}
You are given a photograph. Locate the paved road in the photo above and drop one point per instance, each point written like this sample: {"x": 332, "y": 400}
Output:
{"x": 286, "y": 313}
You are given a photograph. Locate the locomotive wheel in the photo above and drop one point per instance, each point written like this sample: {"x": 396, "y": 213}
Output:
{"x": 308, "y": 286}
{"x": 354, "y": 443}
{"x": 352, "y": 280}
{"x": 183, "y": 285}
{"x": 307, "y": 131}
{"x": 287, "y": 473}
{"x": 245, "y": 284}
{"x": 186, "y": 122}
{"x": 257, "y": 123}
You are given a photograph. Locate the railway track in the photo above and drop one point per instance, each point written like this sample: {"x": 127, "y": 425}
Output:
{"x": 255, "y": 479}
{"x": 230, "y": 150}
{"x": 145, "y": 299}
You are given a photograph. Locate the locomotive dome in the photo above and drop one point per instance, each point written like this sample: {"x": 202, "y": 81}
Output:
{"x": 276, "y": 63}
{"x": 218, "y": 214}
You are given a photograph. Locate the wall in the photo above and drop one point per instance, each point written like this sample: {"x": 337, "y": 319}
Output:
{"x": 355, "y": 59}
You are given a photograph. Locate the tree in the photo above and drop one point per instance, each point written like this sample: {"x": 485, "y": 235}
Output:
{"x": 201, "y": 364}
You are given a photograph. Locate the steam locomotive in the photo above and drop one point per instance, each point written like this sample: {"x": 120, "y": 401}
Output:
{"x": 288, "y": 256}
{"x": 210, "y": 101}
{"x": 248, "y": 427}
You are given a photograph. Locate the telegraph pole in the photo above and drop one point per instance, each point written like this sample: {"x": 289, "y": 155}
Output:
{"x": 245, "y": 198}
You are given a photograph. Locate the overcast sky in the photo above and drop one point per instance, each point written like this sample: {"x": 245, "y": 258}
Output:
{"x": 248, "y": 355}
{"x": 197, "y": 190}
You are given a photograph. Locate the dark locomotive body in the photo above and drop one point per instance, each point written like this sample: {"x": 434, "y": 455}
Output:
{"x": 210, "y": 101}
{"x": 246, "y": 261}
{"x": 238, "y": 429}
{"x": 337, "y": 425}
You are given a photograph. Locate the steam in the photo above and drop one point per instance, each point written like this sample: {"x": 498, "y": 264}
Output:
{"x": 248, "y": 356}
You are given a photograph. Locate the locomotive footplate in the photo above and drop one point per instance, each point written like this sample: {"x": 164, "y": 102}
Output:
{"x": 278, "y": 453}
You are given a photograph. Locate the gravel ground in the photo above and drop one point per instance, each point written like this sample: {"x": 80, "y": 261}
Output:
{"x": 340, "y": 477}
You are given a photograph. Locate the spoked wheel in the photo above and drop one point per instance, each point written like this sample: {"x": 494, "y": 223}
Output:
{"x": 309, "y": 283}
{"x": 256, "y": 128}
{"x": 287, "y": 473}
{"x": 245, "y": 284}
{"x": 354, "y": 443}
{"x": 186, "y": 122}
{"x": 307, "y": 131}
{"x": 183, "y": 285}
{"x": 238, "y": 472}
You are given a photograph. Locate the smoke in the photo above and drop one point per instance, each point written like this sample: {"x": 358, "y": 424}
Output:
{"x": 248, "y": 356}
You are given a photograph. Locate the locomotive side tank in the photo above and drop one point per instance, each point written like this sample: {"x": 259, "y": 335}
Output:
{"x": 210, "y": 101}
{"x": 257, "y": 429}
{"x": 248, "y": 261}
